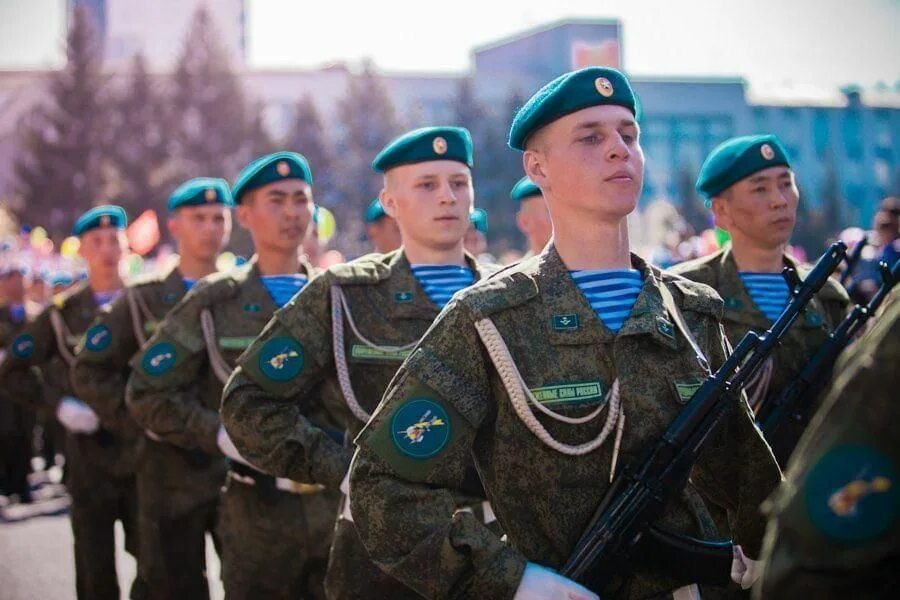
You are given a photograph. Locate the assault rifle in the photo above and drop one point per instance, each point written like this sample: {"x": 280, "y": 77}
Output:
{"x": 793, "y": 405}
{"x": 853, "y": 260}
{"x": 635, "y": 500}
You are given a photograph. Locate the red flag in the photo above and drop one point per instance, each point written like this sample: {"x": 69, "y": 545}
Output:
{"x": 143, "y": 233}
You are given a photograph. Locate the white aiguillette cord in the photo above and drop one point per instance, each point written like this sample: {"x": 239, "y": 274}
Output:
{"x": 338, "y": 309}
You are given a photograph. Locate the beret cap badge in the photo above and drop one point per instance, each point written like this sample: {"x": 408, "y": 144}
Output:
{"x": 604, "y": 87}
{"x": 209, "y": 195}
{"x": 440, "y": 145}
{"x": 104, "y": 221}
{"x": 767, "y": 152}
{"x": 283, "y": 169}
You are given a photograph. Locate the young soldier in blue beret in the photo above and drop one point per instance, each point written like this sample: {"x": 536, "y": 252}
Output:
{"x": 178, "y": 489}
{"x": 475, "y": 241}
{"x": 100, "y": 461}
{"x": 347, "y": 333}
{"x": 751, "y": 188}
{"x": 274, "y": 533}
{"x": 532, "y": 218}
{"x": 381, "y": 228}
{"x": 554, "y": 374}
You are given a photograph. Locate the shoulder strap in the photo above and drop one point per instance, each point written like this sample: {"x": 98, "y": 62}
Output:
{"x": 138, "y": 309}
{"x": 62, "y": 333}
{"x": 218, "y": 363}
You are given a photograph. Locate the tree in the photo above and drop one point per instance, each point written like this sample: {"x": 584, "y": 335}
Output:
{"x": 61, "y": 170}
{"x": 307, "y": 136}
{"x": 139, "y": 141}
{"x": 692, "y": 208}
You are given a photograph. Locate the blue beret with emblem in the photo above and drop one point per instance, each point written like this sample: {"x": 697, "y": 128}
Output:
{"x": 374, "y": 211}
{"x": 268, "y": 169}
{"x": 200, "y": 191}
{"x": 568, "y": 93}
{"x": 426, "y": 144}
{"x": 737, "y": 158}
{"x": 525, "y": 188}
{"x": 108, "y": 215}
{"x": 479, "y": 219}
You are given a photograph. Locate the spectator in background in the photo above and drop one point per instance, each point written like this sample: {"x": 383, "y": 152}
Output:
{"x": 884, "y": 245}
{"x": 533, "y": 218}
{"x": 381, "y": 228}
{"x": 475, "y": 241}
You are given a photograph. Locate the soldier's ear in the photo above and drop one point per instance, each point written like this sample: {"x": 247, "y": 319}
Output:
{"x": 721, "y": 209}
{"x": 533, "y": 163}
{"x": 388, "y": 202}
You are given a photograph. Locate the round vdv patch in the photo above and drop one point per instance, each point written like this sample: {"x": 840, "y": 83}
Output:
{"x": 281, "y": 358}
{"x": 420, "y": 428}
{"x": 23, "y": 346}
{"x": 159, "y": 359}
{"x": 853, "y": 493}
{"x": 97, "y": 338}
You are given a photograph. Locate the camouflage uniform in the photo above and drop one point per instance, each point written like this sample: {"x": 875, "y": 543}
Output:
{"x": 835, "y": 526}
{"x": 447, "y": 403}
{"x": 16, "y": 424}
{"x": 274, "y": 542}
{"x": 719, "y": 271}
{"x": 100, "y": 467}
{"x": 177, "y": 488}
{"x": 277, "y": 424}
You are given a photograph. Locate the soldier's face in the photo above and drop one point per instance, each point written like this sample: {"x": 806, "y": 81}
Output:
{"x": 102, "y": 249}
{"x": 430, "y": 201}
{"x": 760, "y": 209}
{"x": 384, "y": 234}
{"x": 278, "y": 215}
{"x": 201, "y": 231}
{"x": 533, "y": 220}
{"x": 589, "y": 163}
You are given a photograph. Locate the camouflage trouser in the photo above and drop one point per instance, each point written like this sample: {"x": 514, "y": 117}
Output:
{"x": 353, "y": 575}
{"x": 93, "y": 519}
{"x": 274, "y": 543}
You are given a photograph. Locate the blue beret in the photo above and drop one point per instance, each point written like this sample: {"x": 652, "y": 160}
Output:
{"x": 200, "y": 191}
{"x": 525, "y": 188}
{"x": 374, "y": 211}
{"x": 269, "y": 168}
{"x": 60, "y": 278}
{"x": 425, "y": 144}
{"x": 591, "y": 86}
{"x": 107, "y": 215}
{"x": 737, "y": 158}
{"x": 479, "y": 219}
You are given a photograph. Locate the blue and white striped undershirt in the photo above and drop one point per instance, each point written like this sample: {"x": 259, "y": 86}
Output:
{"x": 769, "y": 292}
{"x": 188, "y": 283}
{"x": 283, "y": 287}
{"x": 610, "y": 292}
{"x": 440, "y": 282}
{"x": 17, "y": 312}
{"x": 104, "y": 298}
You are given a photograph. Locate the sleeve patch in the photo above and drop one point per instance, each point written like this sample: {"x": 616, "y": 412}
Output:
{"x": 420, "y": 428}
{"x": 159, "y": 359}
{"x": 281, "y": 359}
{"x": 98, "y": 338}
{"x": 23, "y": 346}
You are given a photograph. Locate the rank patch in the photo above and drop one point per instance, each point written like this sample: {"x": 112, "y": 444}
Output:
{"x": 403, "y": 296}
{"x": 97, "y": 338}
{"x": 159, "y": 359}
{"x": 170, "y": 298}
{"x": 420, "y": 428}
{"x": 733, "y": 303}
{"x": 686, "y": 389}
{"x": 565, "y": 322}
{"x": 665, "y": 328}
{"x": 281, "y": 358}
{"x": 252, "y": 307}
{"x": 23, "y": 346}
{"x": 852, "y": 494}
{"x": 813, "y": 319}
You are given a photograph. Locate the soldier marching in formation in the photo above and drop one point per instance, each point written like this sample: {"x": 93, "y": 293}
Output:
{"x": 418, "y": 423}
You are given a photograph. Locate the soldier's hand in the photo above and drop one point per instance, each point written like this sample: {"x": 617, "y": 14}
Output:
{"x": 540, "y": 582}
{"x": 76, "y": 416}
{"x": 744, "y": 570}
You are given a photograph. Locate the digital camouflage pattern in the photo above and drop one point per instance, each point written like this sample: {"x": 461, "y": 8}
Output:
{"x": 99, "y": 467}
{"x": 174, "y": 392}
{"x": 834, "y": 530}
{"x": 543, "y": 499}
{"x": 741, "y": 315}
{"x": 276, "y": 420}
{"x": 175, "y": 485}
{"x": 17, "y": 420}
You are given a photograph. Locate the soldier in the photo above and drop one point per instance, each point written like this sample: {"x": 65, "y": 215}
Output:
{"x": 751, "y": 188}
{"x": 834, "y": 530}
{"x": 532, "y": 219}
{"x": 178, "y": 488}
{"x": 100, "y": 463}
{"x": 274, "y": 534}
{"x": 516, "y": 372}
{"x": 381, "y": 228}
{"x": 386, "y": 301}
{"x": 475, "y": 242}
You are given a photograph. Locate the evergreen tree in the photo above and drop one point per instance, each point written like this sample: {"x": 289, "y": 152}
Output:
{"x": 61, "y": 170}
{"x": 307, "y": 136}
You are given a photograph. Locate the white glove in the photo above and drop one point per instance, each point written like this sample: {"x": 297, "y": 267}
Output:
{"x": 76, "y": 416}
{"x": 539, "y": 583}
{"x": 227, "y": 447}
{"x": 744, "y": 571}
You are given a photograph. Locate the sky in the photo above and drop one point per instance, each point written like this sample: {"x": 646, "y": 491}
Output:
{"x": 779, "y": 46}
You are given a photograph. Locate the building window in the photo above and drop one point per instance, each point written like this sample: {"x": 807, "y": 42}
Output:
{"x": 820, "y": 133}
{"x": 852, "y": 135}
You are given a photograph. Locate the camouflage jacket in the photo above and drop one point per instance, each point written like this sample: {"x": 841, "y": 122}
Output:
{"x": 741, "y": 315}
{"x": 835, "y": 525}
{"x": 272, "y": 417}
{"x": 37, "y": 369}
{"x": 447, "y": 403}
